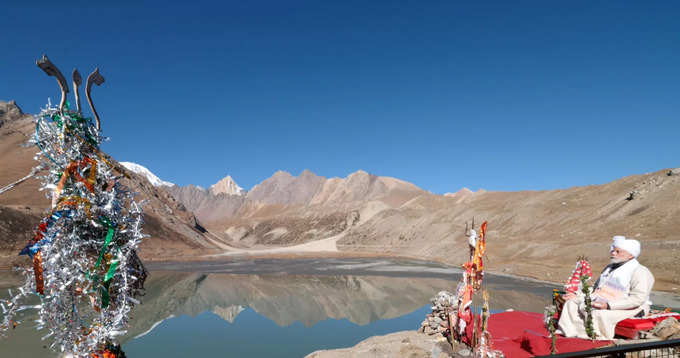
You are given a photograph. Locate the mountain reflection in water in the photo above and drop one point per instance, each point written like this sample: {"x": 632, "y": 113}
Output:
{"x": 311, "y": 311}
{"x": 285, "y": 299}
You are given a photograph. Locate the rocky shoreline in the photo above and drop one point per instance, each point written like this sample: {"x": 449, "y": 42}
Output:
{"x": 399, "y": 344}
{"x": 428, "y": 341}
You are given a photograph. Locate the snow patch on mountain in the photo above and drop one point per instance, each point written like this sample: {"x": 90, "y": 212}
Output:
{"x": 143, "y": 171}
{"x": 227, "y": 186}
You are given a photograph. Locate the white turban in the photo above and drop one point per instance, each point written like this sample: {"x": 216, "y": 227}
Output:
{"x": 616, "y": 239}
{"x": 630, "y": 245}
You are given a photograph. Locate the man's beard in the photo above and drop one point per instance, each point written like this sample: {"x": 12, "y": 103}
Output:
{"x": 616, "y": 260}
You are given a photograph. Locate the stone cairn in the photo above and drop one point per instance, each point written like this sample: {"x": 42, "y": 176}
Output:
{"x": 443, "y": 304}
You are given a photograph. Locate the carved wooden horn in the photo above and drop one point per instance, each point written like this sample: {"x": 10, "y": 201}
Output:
{"x": 46, "y": 65}
{"x": 77, "y": 81}
{"x": 96, "y": 78}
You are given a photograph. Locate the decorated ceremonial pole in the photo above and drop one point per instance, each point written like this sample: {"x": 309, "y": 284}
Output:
{"x": 464, "y": 326}
{"x": 85, "y": 270}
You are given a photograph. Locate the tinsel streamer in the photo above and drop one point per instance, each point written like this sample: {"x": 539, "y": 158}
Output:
{"x": 10, "y": 186}
{"x": 85, "y": 270}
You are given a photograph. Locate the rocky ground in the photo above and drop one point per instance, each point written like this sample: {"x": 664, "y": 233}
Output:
{"x": 409, "y": 344}
{"x": 430, "y": 340}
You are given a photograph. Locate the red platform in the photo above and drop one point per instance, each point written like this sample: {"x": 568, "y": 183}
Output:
{"x": 630, "y": 328}
{"x": 523, "y": 334}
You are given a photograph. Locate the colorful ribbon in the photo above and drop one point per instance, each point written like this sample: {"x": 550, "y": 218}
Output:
{"x": 38, "y": 272}
{"x": 113, "y": 264}
{"x": 73, "y": 201}
{"x": 72, "y": 170}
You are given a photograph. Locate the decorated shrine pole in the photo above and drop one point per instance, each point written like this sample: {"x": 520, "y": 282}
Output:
{"x": 84, "y": 267}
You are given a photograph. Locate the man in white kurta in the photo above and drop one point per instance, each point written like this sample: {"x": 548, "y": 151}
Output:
{"x": 621, "y": 292}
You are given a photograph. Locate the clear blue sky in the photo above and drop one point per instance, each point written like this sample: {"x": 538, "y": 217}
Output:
{"x": 500, "y": 95}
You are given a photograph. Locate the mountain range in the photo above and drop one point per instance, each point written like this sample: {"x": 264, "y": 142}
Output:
{"x": 538, "y": 234}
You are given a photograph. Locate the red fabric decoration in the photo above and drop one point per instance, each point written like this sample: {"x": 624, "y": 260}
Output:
{"x": 630, "y": 327}
{"x": 643, "y": 323}
{"x": 523, "y": 334}
{"x": 629, "y": 333}
{"x": 582, "y": 269}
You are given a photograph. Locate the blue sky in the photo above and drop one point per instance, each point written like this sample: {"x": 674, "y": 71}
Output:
{"x": 495, "y": 95}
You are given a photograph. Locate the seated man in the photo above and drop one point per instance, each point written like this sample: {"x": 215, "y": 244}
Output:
{"x": 621, "y": 292}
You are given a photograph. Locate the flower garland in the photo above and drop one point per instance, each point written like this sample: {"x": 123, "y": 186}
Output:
{"x": 552, "y": 326}
{"x": 588, "y": 322}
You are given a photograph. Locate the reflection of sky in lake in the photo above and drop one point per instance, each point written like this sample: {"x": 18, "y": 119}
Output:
{"x": 253, "y": 335}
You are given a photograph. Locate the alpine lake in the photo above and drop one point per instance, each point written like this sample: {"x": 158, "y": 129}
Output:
{"x": 279, "y": 308}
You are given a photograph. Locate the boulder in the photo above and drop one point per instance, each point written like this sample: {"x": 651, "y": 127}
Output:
{"x": 667, "y": 329}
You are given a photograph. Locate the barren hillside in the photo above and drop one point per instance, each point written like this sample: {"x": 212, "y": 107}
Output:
{"x": 532, "y": 233}
{"x": 171, "y": 227}
{"x": 538, "y": 233}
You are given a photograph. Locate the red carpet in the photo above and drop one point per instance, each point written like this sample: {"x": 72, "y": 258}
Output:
{"x": 523, "y": 334}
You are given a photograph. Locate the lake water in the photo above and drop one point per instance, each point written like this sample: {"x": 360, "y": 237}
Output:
{"x": 281, "y": 308}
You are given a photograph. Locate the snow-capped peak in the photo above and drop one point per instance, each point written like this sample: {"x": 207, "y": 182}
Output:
{"x": 227, "y": 186}
{"x": 141, "y": 170}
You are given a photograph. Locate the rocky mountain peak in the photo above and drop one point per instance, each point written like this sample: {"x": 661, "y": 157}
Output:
{"x": 465, "y": 190}
{"x": 283, "y": 188}
{"x": 360, "y": 181}
{"x": 227, "y": 186}
{"x": 307, "y": 173}
{"x": 281, "y": 174}
{"x": 10, "y": 111}
{"x": 358, "y": 174}
{"x": 10, "y": 108}
{"x": 460, "y": 193}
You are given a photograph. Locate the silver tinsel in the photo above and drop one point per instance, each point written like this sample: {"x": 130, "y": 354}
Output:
{"x": 87, "y": 243}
